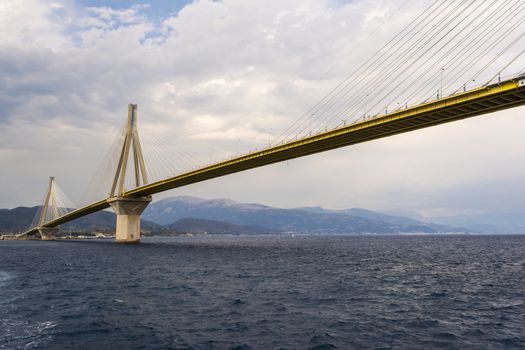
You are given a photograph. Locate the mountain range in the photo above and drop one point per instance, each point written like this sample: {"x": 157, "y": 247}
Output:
{"x": 20, "y": 219}
{"x": 195, "y": 215}
{"x": 314, "y": 220}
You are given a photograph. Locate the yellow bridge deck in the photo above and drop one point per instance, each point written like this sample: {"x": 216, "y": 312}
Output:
{"x": 491, "y": 98}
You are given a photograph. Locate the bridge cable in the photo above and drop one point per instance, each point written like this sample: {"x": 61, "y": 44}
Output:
{"x": 398, "y": 73}
{"x": 366, "y": 65}
{"x": 395, "y": 65}
{"x": 460, "y": 54}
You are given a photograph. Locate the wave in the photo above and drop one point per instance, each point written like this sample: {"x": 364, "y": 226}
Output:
{"x": 24, "y": 334}
{"x": 5, "y": 276}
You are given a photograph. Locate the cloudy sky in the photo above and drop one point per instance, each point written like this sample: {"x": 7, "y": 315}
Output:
{"x": 214, "y": 78}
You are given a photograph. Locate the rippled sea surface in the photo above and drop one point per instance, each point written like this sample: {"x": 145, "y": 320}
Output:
{"x": 225, "y": 292}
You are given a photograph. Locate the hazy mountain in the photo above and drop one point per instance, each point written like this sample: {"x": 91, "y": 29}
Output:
{"x": 305, "y": 220}
{"x": 168, "y": 210}
{"x": 405, "y": 213}
{"x": 391, "y": 219}
{"x": 191, "y": 225}
{"x": 189, "y": 214}
{"x": 19, "y": 219}
{"x": 487, "y": 223}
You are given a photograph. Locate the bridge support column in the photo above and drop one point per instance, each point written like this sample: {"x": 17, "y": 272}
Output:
{"x": 128, "y": 211}
{"x": 47, "y": 233}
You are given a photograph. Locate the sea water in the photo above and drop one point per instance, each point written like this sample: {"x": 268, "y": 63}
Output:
{"x": 264, "y": 292}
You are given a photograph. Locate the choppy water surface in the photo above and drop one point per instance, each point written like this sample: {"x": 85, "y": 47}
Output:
{"x": 264, "y": 293}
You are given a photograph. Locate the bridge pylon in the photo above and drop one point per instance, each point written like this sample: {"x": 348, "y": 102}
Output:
{"x": 50, "y": 207}
{"x": 127, "y": 208}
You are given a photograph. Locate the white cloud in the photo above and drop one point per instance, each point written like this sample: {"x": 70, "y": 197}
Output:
{"x": 29, "y": 23}
{"x": 217, "y": 73}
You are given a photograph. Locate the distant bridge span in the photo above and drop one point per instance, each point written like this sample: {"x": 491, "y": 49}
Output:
{"x": 491, "y": 98}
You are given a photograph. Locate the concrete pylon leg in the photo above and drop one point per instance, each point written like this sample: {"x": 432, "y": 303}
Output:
{"x": 47, "y": 233}
{"x": 128, "y": 211}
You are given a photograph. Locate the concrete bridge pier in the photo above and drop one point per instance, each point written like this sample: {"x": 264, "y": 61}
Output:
{"x": 128, "y": 211}
{"x": 47, "y": 233}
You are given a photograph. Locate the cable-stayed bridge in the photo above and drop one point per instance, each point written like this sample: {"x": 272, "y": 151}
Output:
{"x": 423, "y": 77}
